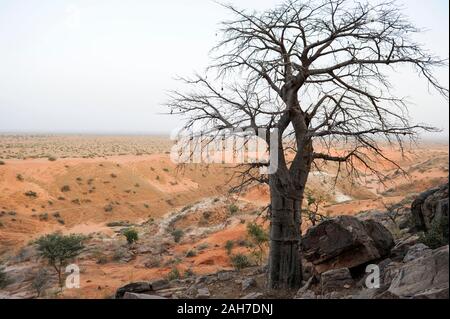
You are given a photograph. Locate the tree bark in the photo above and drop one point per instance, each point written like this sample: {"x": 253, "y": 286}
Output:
{"x": 285, "y": 269}
{"x": 287, "y": 189}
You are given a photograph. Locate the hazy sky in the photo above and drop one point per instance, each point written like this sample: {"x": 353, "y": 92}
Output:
{"x": 105, "y": 65}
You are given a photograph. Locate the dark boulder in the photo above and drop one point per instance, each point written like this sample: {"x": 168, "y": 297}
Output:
{"x": 346, "y": 242}
{"x": 135, "y": 287}
{"x": 430, "y": 206}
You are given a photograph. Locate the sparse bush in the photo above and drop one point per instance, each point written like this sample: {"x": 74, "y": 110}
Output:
{"x": 153, "y": 262}
{"x": 19, "y": 177}
{"x": 2, "y": 163}
{"x": 189, "y": 273}
{"x": 113, "y": 175}
{"x": 240, "y": 261}
{"x": 229, "y": 246}
{"x": 173, "y": 261}
{"x": 40, "y": 281}
{"x": 59, "y": 249}
{"x": 174, "y": 274}
{"x": 437, "y": 236}
{"x": 65, "y": 189}
{"x": 131, "y": 235}
{"x": 118, "y": 224}
{"x": 102, "y": 259}
{"x": 52, "y": 158}
{"x": 31, "y": 194}
{"x": 120, "y": 253}
{"x": 191, "y": 253}
{"x": 43, "y": 217}
{"x": 207, "y": 215}
{"x": 257, "y": 234}
{"x": 233, "y": 209}
{"x": 108, "y": 208}
{"x": 177, "y": 235}
{"x": 203, "y": 246}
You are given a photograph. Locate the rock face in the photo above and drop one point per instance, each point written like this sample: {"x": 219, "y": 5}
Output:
{"x": 417, "y": 251}
{"x": 248, "y": 283}
{"x": 131, "y": 295}
{"x": 428, "y": 206}
{"x": 426, "y": 277}
{"x": 135, "y": 287}
{"x": 345, "y": 242}
{"x": 203, "y": 293}
{"x": 336, "y": 279}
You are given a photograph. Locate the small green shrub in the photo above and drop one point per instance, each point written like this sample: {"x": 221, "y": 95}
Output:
{"x": 174, "y": 274}
{"x": 177, "y": 235}
{"x": 31, "y": 194}
{"x": 203, "y": 246}
{"x": 257, "y": 234}
{"x": 131, "y": 235}
{"x": 229, "y": 246}
{"x": 437, "y": 236}
{"x": 240, "y": 261}
{"x": 233, "y": 209}
{"x": 191, "y": 253}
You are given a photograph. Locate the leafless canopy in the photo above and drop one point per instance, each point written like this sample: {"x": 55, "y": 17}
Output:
{"x": 316, "y": 70}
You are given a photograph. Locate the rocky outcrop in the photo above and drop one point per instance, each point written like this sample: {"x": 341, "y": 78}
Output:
{"x": 429, "y": 206}
{"x": 135, "y": 287}
{"x": 336, "y": 279}
{"x": 131, "y": 295}
{"x": 142, "y": 288}
{"x": 345, "y": 242}
{"x": 425, "y": 277}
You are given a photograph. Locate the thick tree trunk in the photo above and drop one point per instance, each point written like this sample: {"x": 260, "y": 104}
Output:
{"x": 287, "y": 190}
{"x": 285, "y": 269}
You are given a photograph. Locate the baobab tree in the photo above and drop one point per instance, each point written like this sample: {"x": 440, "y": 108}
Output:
{"x": 316, "y": 73}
